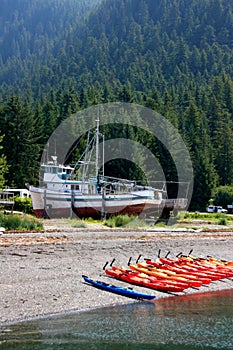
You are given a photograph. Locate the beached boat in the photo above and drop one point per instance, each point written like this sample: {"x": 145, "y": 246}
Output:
{"x": 127, "y": 292}
{"x": 70, "y": 190}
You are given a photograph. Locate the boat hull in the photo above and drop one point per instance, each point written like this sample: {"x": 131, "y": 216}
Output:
{"x": 47, "y": 203}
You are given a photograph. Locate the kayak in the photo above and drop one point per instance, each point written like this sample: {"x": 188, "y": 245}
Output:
{"x": 221, "y": 263}
{"x": 183, "y": 285}
{"x": 136, "y": 279}
{"x": 211, "y": 267}
{"x": 191, "y": 282}
{"x": 186, "y": 271}
{"x": 127, "y": 292}
{"x": 183, "y": 271}
{"x": 214, "y": 271}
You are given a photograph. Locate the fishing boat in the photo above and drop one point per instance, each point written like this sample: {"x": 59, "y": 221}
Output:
{"x": 127, "y": 292}
{"x": 69, "y": 190}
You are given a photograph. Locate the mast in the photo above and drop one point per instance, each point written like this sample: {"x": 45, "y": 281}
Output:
{"x": 97, "y": 144}
{"x": 103, "y": 155}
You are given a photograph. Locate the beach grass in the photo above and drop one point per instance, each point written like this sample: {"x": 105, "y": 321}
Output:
{"x": 77, "y": 223}
{"x": 214, "y": 218}
{"x": 119, "y": 220}
{"x": 19, "y": 222}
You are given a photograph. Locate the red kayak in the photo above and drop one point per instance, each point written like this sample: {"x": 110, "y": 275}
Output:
{"x": 200, "y": 266}
{"x": 162, "y": 275}
{"x": 152, "y": 278}
{"x": 204, "y": 265}
{"x": 227, "y": 264}
{"x": 192, "y": 280}
{"x": 144, "y": 282}
{"x": 186, "y": 271}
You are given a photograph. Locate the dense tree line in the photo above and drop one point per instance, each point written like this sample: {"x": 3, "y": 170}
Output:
{"x": 172, "y": 56}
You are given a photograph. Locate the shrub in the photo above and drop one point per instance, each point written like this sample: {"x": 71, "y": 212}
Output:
{"x": 119, "y": 220}
{"x": 18, "y": 222}
{"x": 223, "y": 195}
{"x": 23, "y": 204}
{"x": 78, "y": 223}
{"x": 222, "y": 221}
{"x": 138, "y": 223}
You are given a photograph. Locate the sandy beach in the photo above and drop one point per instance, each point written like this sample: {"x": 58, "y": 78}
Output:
{"x": 41, "y": 273}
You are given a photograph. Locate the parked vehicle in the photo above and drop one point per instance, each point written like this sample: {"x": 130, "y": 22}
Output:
{"x": 216, "y": 209}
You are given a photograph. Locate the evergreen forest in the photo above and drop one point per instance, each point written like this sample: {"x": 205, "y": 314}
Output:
{"x": 175, "y": 57}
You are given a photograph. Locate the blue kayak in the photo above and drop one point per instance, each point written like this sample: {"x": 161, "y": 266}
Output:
{"x": 127, "y": 292}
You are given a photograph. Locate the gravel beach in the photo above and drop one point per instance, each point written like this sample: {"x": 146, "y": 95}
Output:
{"x": 41, "y": 273}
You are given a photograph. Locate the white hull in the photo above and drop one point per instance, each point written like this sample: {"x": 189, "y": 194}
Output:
{"x": 66, "y": 204}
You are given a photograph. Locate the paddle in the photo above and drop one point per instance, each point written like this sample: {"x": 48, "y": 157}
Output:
{"x": 159, "y": 253}
{"x": 104, "y": 267}
{"x": 185, "y": 256}
{"x": 129, "y": 260}
{"x": 190, "y": 252}
{"x": 112, "y": 261}
{"x": 167, "y": 254}
{"x": 138, "y": 258}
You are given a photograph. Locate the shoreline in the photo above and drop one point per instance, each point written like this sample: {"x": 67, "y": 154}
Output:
{"x": 41, "y": 273}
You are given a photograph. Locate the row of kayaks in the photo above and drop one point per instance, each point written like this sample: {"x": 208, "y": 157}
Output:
{"x": 166, "y": 275}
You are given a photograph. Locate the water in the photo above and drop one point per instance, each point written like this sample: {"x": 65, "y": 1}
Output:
{"x": 192, "y": 322}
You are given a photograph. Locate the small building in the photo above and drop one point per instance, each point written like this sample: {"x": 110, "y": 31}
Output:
{"x": 7, "y": 199}
{"x": 22, "y": 192}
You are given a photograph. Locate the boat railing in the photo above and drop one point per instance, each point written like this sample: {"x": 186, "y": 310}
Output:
{"x": 175, "y": 203}
{"x": 7, "y": 199}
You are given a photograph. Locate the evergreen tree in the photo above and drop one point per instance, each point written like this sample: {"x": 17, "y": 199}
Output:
{"x": 205, "y": 176}
{"x": 3, "y": 166}
{"x": 20, "y": 142}
{"x": 174, "y": 57}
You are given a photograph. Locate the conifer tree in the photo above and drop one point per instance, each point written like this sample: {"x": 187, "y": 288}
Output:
{"x": 3, "y": 165}
{"x": 20, "y": 143}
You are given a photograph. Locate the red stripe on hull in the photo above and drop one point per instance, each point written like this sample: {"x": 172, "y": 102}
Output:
{"x": 87, "y": 212}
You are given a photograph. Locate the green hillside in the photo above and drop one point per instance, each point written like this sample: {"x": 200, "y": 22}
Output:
{"x": 173, "y": 56}
{"x": 32, "y": 31}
